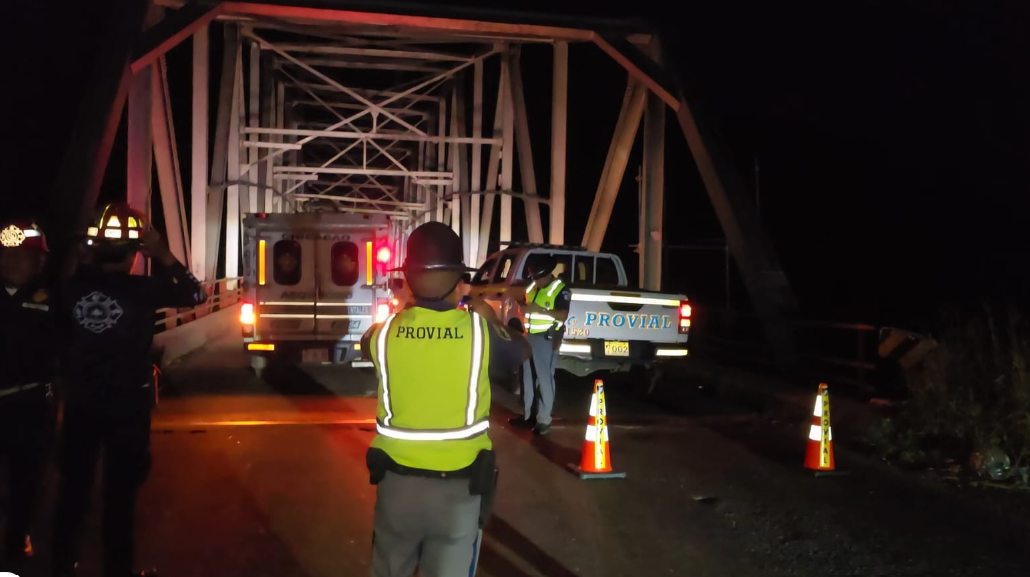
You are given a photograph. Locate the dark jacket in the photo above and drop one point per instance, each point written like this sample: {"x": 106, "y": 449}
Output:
{"x": 108, "y": 321}
{"x": 28, "y": 347}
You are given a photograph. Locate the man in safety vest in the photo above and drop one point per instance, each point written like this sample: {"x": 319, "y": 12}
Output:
{"x": 27, "y": 360}
{"x": 108, "y": 315}
{"x": 547, "y": 308}
{"x": 432, "y": 459}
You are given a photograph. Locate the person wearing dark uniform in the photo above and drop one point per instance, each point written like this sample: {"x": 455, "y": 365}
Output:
{"x": 27, "y": 359}
{"x": 109, "y": 315}
{"x": 432, "y": 459}
{"x": 547, "y": 308}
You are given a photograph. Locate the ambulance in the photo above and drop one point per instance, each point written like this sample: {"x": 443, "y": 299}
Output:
{"x": 313, "y": 284}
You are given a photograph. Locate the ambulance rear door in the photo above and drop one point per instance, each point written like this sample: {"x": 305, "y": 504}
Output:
{"x": 346, "y": 292}
{"x": 286, "y": 291}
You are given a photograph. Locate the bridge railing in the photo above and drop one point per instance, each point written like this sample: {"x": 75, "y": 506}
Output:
{"x": 831, "y": 351}
{"x": 221, "y": 294}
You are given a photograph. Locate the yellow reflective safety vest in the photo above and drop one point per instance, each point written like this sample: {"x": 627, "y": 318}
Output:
{"x": 434, "y": 388}
{"x": 544, "y": 297}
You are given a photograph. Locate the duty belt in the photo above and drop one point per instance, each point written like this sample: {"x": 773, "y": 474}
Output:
{"x": 18, "y": 389}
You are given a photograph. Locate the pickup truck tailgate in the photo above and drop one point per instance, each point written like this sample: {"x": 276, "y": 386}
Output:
{"x": 624, "y": 316}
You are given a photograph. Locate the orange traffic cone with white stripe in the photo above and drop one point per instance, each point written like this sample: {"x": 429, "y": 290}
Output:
{"x": 819, "y": 456}
{"x": 596, "y": 462}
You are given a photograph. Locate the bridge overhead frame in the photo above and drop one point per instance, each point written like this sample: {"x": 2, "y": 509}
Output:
{"x": 305, "y": 120}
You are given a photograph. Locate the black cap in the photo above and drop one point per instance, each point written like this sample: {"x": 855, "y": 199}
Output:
{"x": 435, "y": 247}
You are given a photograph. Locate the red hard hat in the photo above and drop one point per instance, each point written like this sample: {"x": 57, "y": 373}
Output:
{"x": 118, "y": 223}
{"x": 23, "y": 234}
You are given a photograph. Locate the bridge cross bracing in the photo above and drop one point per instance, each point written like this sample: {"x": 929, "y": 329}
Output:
{"x": 381, "y": 110}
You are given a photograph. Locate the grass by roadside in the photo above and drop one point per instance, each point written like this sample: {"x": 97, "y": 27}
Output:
{"x": 785, "y": 402}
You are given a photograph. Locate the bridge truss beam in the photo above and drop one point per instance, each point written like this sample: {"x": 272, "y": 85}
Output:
{"x": 376, "y": 111}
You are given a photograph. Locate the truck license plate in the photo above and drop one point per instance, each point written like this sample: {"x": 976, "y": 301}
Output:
{"x": 616, "y": 349}
{"x": 315, "y": 356}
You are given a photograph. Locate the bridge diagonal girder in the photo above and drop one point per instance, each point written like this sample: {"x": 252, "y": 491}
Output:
{"x": 342, "y": 153}
{"x": 485, "y": 28}
{"x": 392, "y": 97}
{"x": 325, "y": 78}
{"x": 171, "y": 31}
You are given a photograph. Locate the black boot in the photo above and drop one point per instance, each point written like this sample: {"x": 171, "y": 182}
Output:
{"x": 522, "y": 422}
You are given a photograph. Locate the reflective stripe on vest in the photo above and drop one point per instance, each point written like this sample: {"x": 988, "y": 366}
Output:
{"x": 471, "y": 428}
{"x": 545, "y": 297}
{"x": 445, "y": 435}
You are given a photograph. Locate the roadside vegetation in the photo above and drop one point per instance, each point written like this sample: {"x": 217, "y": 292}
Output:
{"x": 969, "y": 401}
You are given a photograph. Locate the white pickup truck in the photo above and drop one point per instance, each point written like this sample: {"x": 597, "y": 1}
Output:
{"x": 610, "y": 326}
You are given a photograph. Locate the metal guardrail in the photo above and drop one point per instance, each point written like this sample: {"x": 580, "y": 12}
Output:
{"x": 829, "y": 351}
{"x": 221, "y": 294}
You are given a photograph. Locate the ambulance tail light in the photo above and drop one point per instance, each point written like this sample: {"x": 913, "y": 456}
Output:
{"x": 369, "y": 265}
{"x": 261, "y": 261}
{"x": 382, "y": 311}
{"x": 684, "y": 317}
{"x": 247, "y": 314}
{"x": 383, "y": 254}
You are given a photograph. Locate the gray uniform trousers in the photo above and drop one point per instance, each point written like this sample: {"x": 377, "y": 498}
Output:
{"x": 428, "y": 524}
{"x": 542, "y": 361}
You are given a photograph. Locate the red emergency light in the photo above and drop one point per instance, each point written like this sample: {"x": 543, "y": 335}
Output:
{"x": 383, "y": 254}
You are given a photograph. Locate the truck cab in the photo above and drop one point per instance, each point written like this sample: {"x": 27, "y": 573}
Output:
{"x": 610, "y": 326}
{"x": 314, "y": 283}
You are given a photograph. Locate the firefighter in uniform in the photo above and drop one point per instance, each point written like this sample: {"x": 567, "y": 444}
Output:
{"x": 109, "y": 316}
{"x": 547, "y": 308}
{"x": 27, "y": 359}
{"x": 432, "y": 459}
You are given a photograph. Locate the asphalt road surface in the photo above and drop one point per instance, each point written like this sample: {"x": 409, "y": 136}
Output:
{"x": 266, "y": 477}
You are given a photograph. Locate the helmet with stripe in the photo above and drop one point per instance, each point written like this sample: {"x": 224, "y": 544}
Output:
{"x": 119, "y": 224}
{"x": 23, "y": 234}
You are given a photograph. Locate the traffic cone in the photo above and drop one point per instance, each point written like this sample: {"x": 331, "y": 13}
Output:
{"x": 819, "y": 456}
{"x": 596, "y": 462}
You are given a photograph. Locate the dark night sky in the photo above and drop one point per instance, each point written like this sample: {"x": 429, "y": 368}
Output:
{"x": 892, "y": 138}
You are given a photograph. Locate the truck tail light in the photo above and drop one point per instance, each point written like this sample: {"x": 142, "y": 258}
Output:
{"x": 247, "y": 314}
{"x": 684, "y": 317}
{"x": 382, "y": 311}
